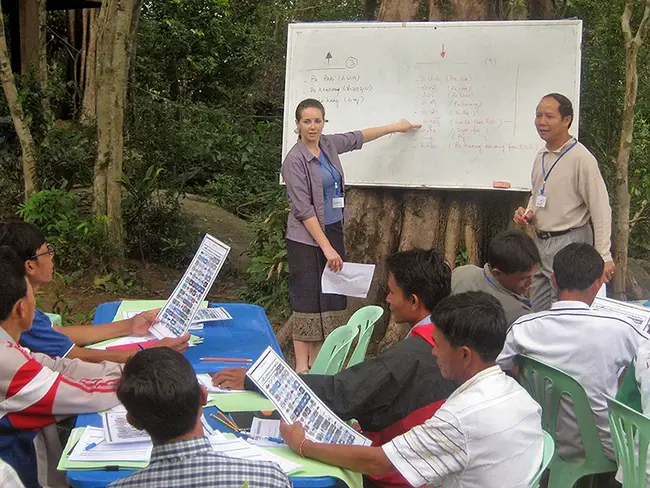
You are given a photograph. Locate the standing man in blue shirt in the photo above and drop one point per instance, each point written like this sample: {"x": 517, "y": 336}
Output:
{"x": 68, "y": 342}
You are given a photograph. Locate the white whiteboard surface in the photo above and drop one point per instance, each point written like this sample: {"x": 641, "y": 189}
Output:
{"x": 476, "y": 103}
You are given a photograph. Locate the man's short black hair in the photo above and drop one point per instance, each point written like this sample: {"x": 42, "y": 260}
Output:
{"x": 24, "y": 237}
{"x": 421, "y": 272}
{"x": 13, "y": 285}
{"x": 565, "y": 108}
{"x": 474, "y": 319}
{"x": 160, "y": 391}
{"x": 513, "y": 252}
{"x": 577, "y": 266}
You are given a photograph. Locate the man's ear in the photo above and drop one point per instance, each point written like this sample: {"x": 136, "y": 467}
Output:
{"x": 467, "y": 354}
{"x": 415, "y": 301}
{"x": 20, "y": 308}
{"x": 554, "y": 282}
{"x": 30, "y": 269}
{"x": 204, "y": 395}
{"x": 133, "y": 422}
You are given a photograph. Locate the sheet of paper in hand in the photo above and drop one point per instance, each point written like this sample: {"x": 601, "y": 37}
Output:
{"x": 297, "y": 403}
{"x": 183, "y": 304}
{"x": 353, "y": 280}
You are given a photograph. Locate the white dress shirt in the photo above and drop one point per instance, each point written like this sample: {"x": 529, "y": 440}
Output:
{"x": 487, "y": 434}
{"x": 592, "y": 346}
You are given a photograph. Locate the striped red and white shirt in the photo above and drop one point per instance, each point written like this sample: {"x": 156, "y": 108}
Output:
{"x": 35, "y": 392}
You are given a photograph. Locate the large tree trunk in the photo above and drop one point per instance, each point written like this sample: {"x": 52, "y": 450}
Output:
{"x": 386, "y": 220}
{"x": 23, "y": 132}
{"x": 117, "y": 23}
{"x": 621, "y": 212}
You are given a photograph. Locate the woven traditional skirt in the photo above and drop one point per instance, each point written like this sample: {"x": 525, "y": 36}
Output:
{"x": 315, "y": 315}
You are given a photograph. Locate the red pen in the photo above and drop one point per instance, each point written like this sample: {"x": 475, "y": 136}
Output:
{"x": 228, "y": 360}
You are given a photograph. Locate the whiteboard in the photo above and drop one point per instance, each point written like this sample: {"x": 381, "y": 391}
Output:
{"x": 474, "y": 86}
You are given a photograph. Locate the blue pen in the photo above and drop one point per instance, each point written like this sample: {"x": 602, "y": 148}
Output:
{"x": 259, "y": 437}
{"x": 92, "y": 445}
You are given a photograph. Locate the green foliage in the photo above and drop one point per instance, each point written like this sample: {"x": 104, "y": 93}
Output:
{"x": 267, "y": 281}
{"x": 67, "y": 156}
{"x": 77, "y": 237}
{"x": 602, "y": 97}
{"x": 156, "y": 228}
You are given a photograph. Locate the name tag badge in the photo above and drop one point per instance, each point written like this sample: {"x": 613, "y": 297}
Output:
{"x": 540, "y": 201}
{"x": 338, "y": 202}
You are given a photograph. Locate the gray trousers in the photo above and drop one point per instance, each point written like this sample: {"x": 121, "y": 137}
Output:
{"x": 542, "y": 293}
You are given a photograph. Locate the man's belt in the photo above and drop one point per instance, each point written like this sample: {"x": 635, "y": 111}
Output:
{"x": 547, "y": 235}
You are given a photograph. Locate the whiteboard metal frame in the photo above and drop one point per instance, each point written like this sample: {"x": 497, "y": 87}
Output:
{"x": 289, "y": 114}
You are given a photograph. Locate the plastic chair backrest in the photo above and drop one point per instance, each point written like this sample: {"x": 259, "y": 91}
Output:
{"x": 54, "y": 317}
{"x": 334, "y": 350}
{"x": 549, "y": 449}
{"x": 629, "y": 427}
{"x": 547, "y": 384}
{"x": 365, "y": 318}
{"x": 628, "y": 393}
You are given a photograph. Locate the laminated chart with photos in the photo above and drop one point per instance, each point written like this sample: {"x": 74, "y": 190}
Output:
{"x": 178, "y": 312}
{"x": 297, "y": 403}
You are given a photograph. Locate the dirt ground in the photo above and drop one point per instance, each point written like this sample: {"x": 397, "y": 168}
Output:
{"x": 78, "y": 299}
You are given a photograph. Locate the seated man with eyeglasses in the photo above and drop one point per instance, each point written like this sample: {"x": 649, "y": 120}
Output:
{"x": 68, "y": 342}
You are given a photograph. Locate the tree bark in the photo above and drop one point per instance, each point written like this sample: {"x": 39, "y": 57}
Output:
{"x": 115, "y": 28}
{"x": 469, "y": 9}
{"x": 27, "y": 146}
{"x": 89, "y": 101}
{"x": 472, "y": 226}
{"x": 541, "y": 9}
{"x": 452, "y": 234}
{"x": 621, "y": 214}
{"x": 398, "y": 10}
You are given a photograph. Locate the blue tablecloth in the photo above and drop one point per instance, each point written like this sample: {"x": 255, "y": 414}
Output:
{"x": 247, "y": 335}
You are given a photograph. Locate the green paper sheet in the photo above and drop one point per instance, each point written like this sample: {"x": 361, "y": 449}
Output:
{"x": 311, "y": 468}
{"x": 140, "y": 305}
{"x": 65, "y": 464}
{"x": 246, "y": 401}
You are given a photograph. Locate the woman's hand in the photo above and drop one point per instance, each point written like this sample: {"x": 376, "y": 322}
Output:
{"x": 405, "y": 126}
{"x": 334, "y": 261}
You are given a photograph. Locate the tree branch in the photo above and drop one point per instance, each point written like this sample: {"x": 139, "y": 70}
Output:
{"x": 642, "y": 31}
{"x": 625, "y": 21}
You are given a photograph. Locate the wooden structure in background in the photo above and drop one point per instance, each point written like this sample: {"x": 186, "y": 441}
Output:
{"x": 24, "y": 26}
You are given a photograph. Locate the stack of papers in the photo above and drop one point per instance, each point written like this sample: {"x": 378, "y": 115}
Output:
{"x": 240, "y": 449}
{"x": 93, "y": 447}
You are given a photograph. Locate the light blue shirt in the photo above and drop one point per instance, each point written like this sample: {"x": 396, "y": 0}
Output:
{"x": 331, "y": 188}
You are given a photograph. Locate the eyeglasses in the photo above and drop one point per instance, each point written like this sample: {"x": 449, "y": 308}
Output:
{"x": 50, "y": 252}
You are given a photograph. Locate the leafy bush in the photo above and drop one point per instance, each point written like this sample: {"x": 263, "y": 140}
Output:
{"x": 11, "y": 178}
{"x": 267, "y": 281}
{"x": 156, "y": 229}
{"x": 77, "y": 236}
{"x": 67, "y": 156}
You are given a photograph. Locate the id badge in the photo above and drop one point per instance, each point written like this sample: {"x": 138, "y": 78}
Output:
{"x": 338, "y": 202}
{"x": 540, "y": 201}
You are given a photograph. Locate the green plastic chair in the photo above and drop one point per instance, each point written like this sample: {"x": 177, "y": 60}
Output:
{"x": 55, "y": 318}
{"x": 364, "y": 318}
{"x": 628, "y": 393}
{"x": 549, "y": 449}
{"x": 624, "y": 423}
{"x": 546, "y": 385}
{"x": 334, "y": 350}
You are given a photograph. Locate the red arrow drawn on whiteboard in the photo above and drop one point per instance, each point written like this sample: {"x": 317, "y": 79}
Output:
{"x": 443, "y": 52}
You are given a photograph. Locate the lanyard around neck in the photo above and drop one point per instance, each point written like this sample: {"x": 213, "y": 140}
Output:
{"x": 545, "y": 174}
{"x": 330, "y": 169}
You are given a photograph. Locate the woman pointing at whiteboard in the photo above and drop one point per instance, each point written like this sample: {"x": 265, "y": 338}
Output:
{"x": 315, "y": 186}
